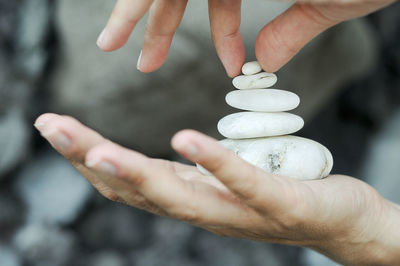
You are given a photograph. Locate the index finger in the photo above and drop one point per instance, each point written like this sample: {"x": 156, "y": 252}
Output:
{"x": 123, "y": 20}
{"x": 225, "y": 31}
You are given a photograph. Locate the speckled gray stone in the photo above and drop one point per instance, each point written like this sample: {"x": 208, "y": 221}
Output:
{"x": 290, "y": 156}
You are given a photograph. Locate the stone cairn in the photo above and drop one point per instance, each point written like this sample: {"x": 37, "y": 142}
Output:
{"x": 260, "y": 134}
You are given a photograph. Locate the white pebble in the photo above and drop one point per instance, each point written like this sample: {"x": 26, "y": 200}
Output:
{"x": 258, "y": 81}
{"x": 263, "y": 100}
{"x": 245, "y": 125}
{"x": 289, "y": 156}
{"x": 251, "y": 68}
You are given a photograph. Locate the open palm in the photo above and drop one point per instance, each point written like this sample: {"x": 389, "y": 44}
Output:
{"x": 240, "y": 200}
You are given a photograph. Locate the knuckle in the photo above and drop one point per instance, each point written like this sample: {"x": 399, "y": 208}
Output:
{"x": 120, "y": 14}
{"x": 187, "y": 214}
{"x": 277, "y": 40}
{"x": 111, "y": 195}
{"x": 169, "y": 165}
{"x": 232, "y": 34}
{"x": 135, "y": 178}
{"x": 217, "y": 164}
{"x": 294, "y": 218}
{"x": 249, "y": 188}
{"x": 317, "y": 16}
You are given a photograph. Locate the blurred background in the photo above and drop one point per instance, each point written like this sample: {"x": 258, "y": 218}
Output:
{"x": 348, "y": 80}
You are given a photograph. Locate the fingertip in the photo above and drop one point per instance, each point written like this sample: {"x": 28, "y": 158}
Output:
{"x": 232, "y": 55}
{"x": 154, "y": 52}
{"x": 148, "y": 62}
{"x": 193, "y": 145}
{"x": 182, "y": 142}
{"x": 111, "y": 45}
{"x": 281, "y": 39}
{"x": 113, "y": 38}
{"x": 44, "y": 118}
{"x": 266, "y": 55}
{"x": 232, "y": 71}
{"x": 148, "y": 68}
{"x": 94, "y": 155}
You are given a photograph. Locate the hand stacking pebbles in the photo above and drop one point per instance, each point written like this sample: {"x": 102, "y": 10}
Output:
{"x": 260, "y": 134}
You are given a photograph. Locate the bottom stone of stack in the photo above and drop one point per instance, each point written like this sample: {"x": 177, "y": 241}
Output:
{"x": 290, "y": 156}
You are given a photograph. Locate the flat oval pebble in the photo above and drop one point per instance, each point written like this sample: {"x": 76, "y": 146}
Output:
{"x": 244, "y": 125}
{"x": 251, "y": 68}
{"x": 263, "y": 100}
{"x": 290, "y": 156}
{"x": 258, "y": 81}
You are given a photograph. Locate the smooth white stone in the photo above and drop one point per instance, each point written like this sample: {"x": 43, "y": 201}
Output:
{"x": 263, "y": 100}
{"x": 258, "y": 81}
{"x": 290, "y": 156}
{"x": 251, "y": 68}
{"x": 244, "y": 125}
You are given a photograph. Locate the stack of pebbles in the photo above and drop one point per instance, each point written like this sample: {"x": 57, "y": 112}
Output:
{"x": 260, "y": 135}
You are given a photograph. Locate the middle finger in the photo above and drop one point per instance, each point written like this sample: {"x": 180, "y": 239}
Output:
{"x": 165, "y": 17}
{"x": 123, "y": 20}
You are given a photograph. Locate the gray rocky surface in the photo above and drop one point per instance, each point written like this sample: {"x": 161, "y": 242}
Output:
{"x": 53, "y": 191}
{"x": 14, "y": 139}
{"x": 160, "y": 256}
{"x": 41, "y": 245}
{"x": 24, "y": 30}
{"x": 12, "y": 214}
{"x": 115, "y": 226}
{"x": 216, "y": 251}
{"x": 8, "y": 257}
{"x": 32, "y": 34}
{"x": 164, "y": 230}
{"x": 107, "y": 258}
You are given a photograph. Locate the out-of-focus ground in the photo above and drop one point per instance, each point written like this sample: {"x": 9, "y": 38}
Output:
{"x": 348, "y": 80}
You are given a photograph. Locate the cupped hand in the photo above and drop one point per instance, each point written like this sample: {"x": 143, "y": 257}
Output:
{"x": 276, "y": 43}
{"x": 240, "y": 200}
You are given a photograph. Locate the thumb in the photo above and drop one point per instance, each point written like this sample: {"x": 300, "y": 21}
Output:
{"x": 249, "y": 183}
{"x": 283, "y": 37}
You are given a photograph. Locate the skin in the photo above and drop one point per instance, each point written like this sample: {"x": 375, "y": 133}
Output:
{"x": 276, "y": 43}
{"x": 340, "y": 216}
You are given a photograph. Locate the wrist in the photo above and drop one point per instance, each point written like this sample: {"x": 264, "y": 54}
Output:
{"x": 375, "y": 242}
{"x": 388, "y": 240}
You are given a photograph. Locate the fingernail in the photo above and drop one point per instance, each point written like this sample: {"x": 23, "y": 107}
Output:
{"x": 39, "y": 125}
{"x": 190, "y": 149}
{"x": 102, "y": 166}
{"x": 58, "y": 140}
{"x": 138, "y": 61}
{"x": 42, "y": 121}
{"x": 100, "y": 40}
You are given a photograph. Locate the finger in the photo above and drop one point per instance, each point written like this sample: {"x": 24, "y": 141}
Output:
{"x": 67, "y": 135}
{"x": 72, "y": 139}
{"x": 283, "y": 37}
{"x": 225, "y": 32}
{"x": 123, "y": 20}
{"x": 249, "y": 183}
{"x": 165, "y": 17}
{"x": 156, "y": 180}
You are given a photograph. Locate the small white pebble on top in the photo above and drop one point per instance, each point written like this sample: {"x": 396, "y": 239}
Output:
{"x": 251, "y": 68}
{"x": 257, "y": 81}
